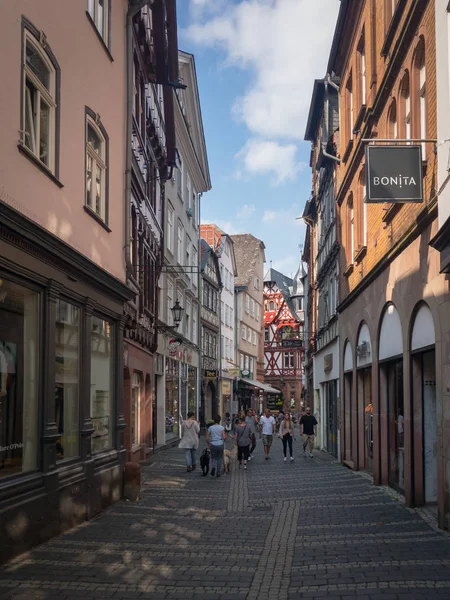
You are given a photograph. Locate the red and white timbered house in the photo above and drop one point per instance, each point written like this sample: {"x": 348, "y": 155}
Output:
{"x": 283, "y": 337}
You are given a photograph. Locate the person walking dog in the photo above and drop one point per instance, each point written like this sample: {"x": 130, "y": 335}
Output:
{"x": 215, "y": 438}
{"x": 189, "y": 440}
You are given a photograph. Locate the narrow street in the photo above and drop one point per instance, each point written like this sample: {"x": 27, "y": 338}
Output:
{"x": 307, "y": 529}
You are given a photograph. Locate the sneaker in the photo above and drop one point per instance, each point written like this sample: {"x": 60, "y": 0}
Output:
{"x": 292, "y": 458}
{"x": 284, "y": 459}
{"x": 245, "y": 467}
{"x": 250, "y": 457}
{"x": 267, "y": 458}
{"x": 310, "y": 455}
{"x": 213, "y": 472}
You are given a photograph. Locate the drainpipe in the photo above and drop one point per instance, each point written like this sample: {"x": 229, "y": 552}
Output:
{"x": 327, "y": 81}
{"x": 134, "y": 7}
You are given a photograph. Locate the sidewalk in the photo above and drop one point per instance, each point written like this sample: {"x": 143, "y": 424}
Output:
{"x": 307, "y": 529}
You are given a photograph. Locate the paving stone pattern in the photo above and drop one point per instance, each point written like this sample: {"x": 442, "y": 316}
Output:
{"x": 307, "y": 529}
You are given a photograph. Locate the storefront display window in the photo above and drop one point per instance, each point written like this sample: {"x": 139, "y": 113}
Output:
{"x": 396, "y": 424}
{"x": 135, "y": 406}
{"x": 172, "y": 397}
{"x": 102, "y": 409}
{"x": 183, "y": 390}
{"x": 192, "y": 389}
{"x": 67, "y": 379}
{"x": 19, "y": 354}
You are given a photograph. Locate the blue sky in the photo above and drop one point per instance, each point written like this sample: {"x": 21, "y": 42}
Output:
{"x": 256, "y": 63}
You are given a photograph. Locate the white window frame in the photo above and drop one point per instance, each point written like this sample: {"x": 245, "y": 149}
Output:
{"x": 244, "y": 332}
{"x": 254, "y": 338}
{"x": 194, "y": 324}
{"x": 170, "y": 228}
{"x": 43, "y": 95}
{"x": 423, "y": 104}
{"x": 180, "y": 236}
{"x": 99, "y": 162}
{"x": 100, "y": 20}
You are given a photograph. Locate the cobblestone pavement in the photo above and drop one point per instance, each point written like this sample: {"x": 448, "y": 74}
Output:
{"x": 307, "y": 529}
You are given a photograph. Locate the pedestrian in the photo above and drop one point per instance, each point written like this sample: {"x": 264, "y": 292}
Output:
{"x": 309, "y": 424}
{"x": 268, "y": 425}
{"x": 215, "y": 438}
{"x": 280, "y": 417}
{"x": 286, "y": 432}
{"x": 226, "y": 422}
{"x": 243, "y": 440}
{"x": 190, "y": 430}
{"x": 252, "y": 421}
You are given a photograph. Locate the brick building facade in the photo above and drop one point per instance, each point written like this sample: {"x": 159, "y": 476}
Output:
{"x": 393, "y": 301}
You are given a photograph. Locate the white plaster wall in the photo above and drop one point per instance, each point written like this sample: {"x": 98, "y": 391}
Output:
{"x": 443, "y": 104}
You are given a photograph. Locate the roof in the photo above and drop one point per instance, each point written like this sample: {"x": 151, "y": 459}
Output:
{"x": 284, "y": 284}
{"x": 316, "y": 107}
{"x": 247, "y": 249}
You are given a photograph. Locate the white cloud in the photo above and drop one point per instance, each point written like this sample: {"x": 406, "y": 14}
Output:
{"x": 259, "y": 157}
{"x": 285, "y": 45}
{"x": 246, "y": 211}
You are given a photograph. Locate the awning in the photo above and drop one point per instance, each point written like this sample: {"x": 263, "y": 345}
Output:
{"x": 258, "y": 384}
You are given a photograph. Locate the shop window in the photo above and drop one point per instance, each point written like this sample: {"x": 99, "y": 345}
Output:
{"x": 19, "y": 356}
{"x": 40, "y": 106}
{"x": 135, "y": 408}
{"x": 67, "y": 379}
{"x": 172, "y": 397}
{"x": 102, "y": 397}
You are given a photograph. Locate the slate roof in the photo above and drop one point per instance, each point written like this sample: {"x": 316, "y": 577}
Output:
{"x": 246, "y": 252}
{"x": 285, "y": 285}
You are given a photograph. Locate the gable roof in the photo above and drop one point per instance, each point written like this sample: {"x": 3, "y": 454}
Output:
{"x": 284, "y": 284}
{"x": 247, "y": 249}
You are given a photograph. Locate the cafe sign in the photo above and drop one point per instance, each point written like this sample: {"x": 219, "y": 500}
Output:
{"x": 394, "y": 174}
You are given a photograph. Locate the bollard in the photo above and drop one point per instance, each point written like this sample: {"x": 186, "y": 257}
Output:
{"x": 131, "y": 480}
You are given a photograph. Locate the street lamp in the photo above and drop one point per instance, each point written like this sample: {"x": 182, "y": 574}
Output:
{"x": 177, "y": 313}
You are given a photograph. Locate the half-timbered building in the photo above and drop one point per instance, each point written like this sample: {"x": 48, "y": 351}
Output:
{"x": 283, "y": 338}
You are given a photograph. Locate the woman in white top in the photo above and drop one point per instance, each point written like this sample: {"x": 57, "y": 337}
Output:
{"x": 189, "y": 440}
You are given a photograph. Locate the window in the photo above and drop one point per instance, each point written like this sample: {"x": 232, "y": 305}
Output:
{"x": 195, "y": 265}
{"x": 258, "y": 312}
{"x": 134, "y": 241}
{"x": 252, "y": 307}
{"x": 420, "y": 85}
{"x": 169, "y": 318}
{"x": 241, "y": 361}
{"x": 222, "y": 312}
{"x": 247, "y": 303}
{"x": 389, "y": 10}
{"x": 405, "y": 108}
{"x": 361, "y": 57}
{"x": 180, "y": 243}
{"x": 250, "y": 365}
{"x": 256, "y": 283}
{"x": 179, "y": 176}
{"x": 170, "y": 212}
{"x": 188, "y": 255}
{"x": 19, "y": 388}
{"x": 194, "y": 325}
{"x": 99, "y": 11}
{"x": 266, "y": 334}
{"x": 362, "y": 211}
{"x": 194, "y": 208}
{"x": 188, "y": 193}
{"x": 288, "y": 360}
{"x": 102, "y": 398}
{"x": 96, "y": 166}
{"x": 244, "y": 332}
{"x": 392, "y": 121}
{"x": 349, "y": 108}
{"x": 271, "y": 305}
{"x": 40, "y": 99}
{"x": 254, "y": 338}
{"x": 350, "y": 238}
{"x": 246, "y": 362}
{"x": 187, "y": 320}
{"x": 135, "y": 406}
{"x": 67, "y": 379}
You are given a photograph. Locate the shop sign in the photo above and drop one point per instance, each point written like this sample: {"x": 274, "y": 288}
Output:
{"x": 226, "y": 388}
{"x": 394, "y": 174}
{"x": 245, "y": 373}
{"x": 327, "y": 362}
{"x": 291, "y": 343}
{"x": 210, "y": 373}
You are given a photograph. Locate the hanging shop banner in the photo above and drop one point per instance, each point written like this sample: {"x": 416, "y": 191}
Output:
{"x": 394, "y": 174}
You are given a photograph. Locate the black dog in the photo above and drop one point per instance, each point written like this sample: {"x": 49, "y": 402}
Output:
{"x": 204, "y": 461}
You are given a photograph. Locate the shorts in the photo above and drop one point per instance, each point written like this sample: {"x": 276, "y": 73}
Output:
{"x": 267, "y": 439}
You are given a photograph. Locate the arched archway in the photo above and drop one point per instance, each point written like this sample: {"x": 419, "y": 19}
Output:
{"x": 363, "y": 359}
{"x": 347, "y": 408}
{"x": 392, "y": 402}
{"x": 424, "y": 426}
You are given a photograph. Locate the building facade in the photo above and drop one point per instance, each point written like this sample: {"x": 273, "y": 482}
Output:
{"x": 152, "y": 69}
{"x": 211, "y": 288}
{"x": 249, "y": 314}
{"x": 394, "y": 302}
{"x": 283, "y": 338}
{"x": 322, "y": 131}
{"x": 178, "y": 360}
{"x": 224, "y": 248}
{"x": 62, "y": 273}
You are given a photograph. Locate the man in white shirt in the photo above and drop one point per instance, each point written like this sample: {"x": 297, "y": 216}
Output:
{"x": 268, "y": 425}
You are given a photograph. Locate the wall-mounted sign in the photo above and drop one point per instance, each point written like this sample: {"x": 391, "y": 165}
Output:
{"x": 293, "y": 343}
{"x": 226, "y": 388}
{"x": 394, "y": 174}
{"x": 327, "y": 362}
{"x": 210, "y": 373}
{"x": 245, "y": 373}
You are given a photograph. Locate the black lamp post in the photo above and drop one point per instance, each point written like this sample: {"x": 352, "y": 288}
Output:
{"x": 177, "y": 313}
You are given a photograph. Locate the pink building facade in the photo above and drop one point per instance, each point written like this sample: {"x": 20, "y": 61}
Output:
{"x": 67, "y": 287}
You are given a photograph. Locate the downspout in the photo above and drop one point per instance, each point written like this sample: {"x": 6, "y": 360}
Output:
{"x": 327, "y": 81}
{"x": 134, "y": 7}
